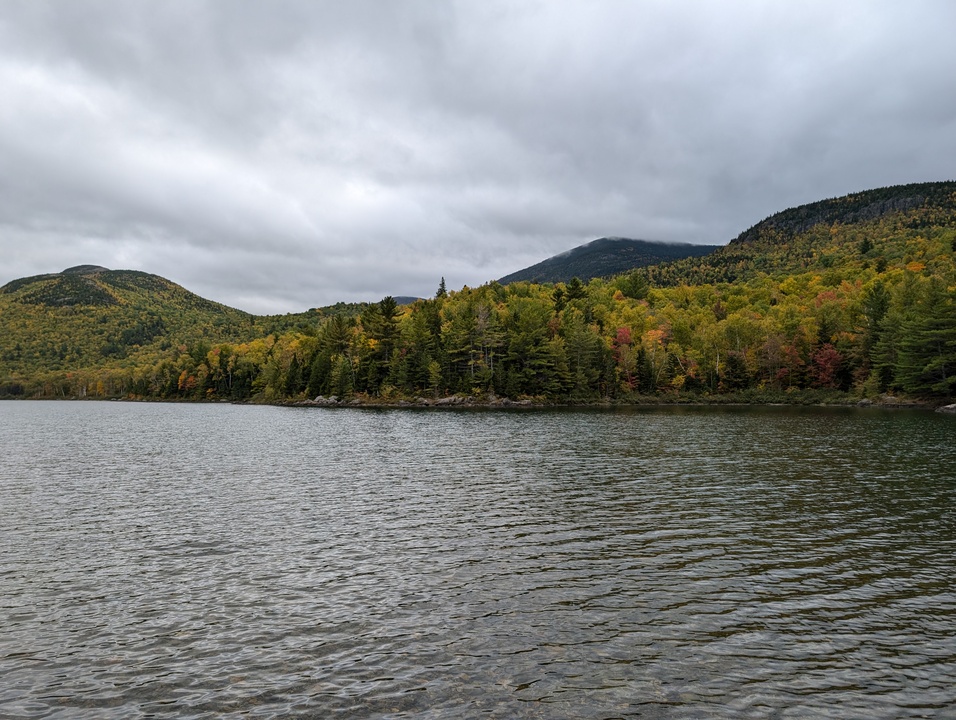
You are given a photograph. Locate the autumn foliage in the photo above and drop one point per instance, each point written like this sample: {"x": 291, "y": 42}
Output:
{"x": 851, "y": 295}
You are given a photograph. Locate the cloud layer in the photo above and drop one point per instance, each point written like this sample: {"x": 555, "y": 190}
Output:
{"x": 279, "y": 156}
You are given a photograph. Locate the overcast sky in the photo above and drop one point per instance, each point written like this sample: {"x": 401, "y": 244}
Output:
{"x": 282, "y": 155}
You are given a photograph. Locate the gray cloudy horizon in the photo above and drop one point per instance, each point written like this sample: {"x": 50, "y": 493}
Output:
{"x": 285, "y": 155}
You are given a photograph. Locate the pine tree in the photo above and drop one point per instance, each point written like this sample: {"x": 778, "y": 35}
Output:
{"x": 926, "y": 360}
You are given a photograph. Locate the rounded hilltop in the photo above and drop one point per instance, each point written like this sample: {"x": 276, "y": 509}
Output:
{"x": 85, "y": 270}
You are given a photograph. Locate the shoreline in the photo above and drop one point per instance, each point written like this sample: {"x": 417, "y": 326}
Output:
{"x": 463, "y": 402}
{"x": 466, "y": 402}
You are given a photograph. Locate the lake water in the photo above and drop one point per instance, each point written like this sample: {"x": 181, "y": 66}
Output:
{"x": 239, "y": 561}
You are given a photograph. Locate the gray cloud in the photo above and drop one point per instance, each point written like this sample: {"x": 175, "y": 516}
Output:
{"x": 278, "y": 156}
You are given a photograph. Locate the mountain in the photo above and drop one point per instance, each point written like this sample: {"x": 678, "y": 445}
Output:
{"x": 855, "y": 295}
{"x": 927, "y": 203}
{"x": 603, "y": 258}
{"x": 880, "y": 228}
{"x": 92, "y": 285}
{"x": 88, "y": 315}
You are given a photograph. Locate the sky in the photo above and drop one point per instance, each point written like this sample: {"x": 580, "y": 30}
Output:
{"x": 277, "y": 156}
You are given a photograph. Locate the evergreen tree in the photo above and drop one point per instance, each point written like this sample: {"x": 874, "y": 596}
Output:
{"x": 926, "y": 361}
{"x": 293, "y": 379}
{"x": 380, "y": 322}
{"x": 633, "y": 285}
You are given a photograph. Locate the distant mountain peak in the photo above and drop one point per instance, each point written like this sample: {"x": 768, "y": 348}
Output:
{"x": 605, "y": 257}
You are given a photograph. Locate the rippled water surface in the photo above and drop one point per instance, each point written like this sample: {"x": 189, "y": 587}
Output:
{"x": 216, "y": 560}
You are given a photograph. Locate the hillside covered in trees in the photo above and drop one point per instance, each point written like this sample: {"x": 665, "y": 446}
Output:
{"x": 605, "y": 258}
{"x": 854, "y": 295}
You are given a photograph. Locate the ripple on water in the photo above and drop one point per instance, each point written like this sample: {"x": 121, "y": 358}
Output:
{"x": 210, "y": 561}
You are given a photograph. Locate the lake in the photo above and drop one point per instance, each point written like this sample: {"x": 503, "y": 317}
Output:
{"x": 162, "y": 560}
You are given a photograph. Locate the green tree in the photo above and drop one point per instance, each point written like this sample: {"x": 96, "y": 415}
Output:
{"x": 586, "y": 354}
{"x": 294, "y": 383}
{"x": 633, "y": 285}
{"x": 734, "y": 375}
{"x": 380, "y": 322}
{"x": 926, "y": 360}
{"x": 536, "y": 363}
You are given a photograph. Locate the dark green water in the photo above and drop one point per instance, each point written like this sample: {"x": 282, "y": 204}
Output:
{"x": 222, "y": 561}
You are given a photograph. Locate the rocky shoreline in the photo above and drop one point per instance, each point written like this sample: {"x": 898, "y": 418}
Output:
{"x": 448, "y": 401}
{"x": 493, "y": 401}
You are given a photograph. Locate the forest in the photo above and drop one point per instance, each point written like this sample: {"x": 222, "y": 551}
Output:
{"x": 841, "y": 300}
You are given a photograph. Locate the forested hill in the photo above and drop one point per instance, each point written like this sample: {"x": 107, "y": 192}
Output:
{"x": 876, "y": 228}
{"x": 605, "y": 257}
{"x": 853, "y": 297}
{"x": 95, "y": 286}
{"x": 926, "y": 203}
{"x": 89, "y": 316}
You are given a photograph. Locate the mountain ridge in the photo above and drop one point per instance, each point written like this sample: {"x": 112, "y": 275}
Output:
{"x": 854, "y": 292}
{"x": 604, "y": 257}
{"x": 863, "y": 206}
{"x": 813, "y": 236}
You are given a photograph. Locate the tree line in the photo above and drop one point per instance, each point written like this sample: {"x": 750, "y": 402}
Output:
{"x": 618, "y": 339}
{"x": 864, "y": 308}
